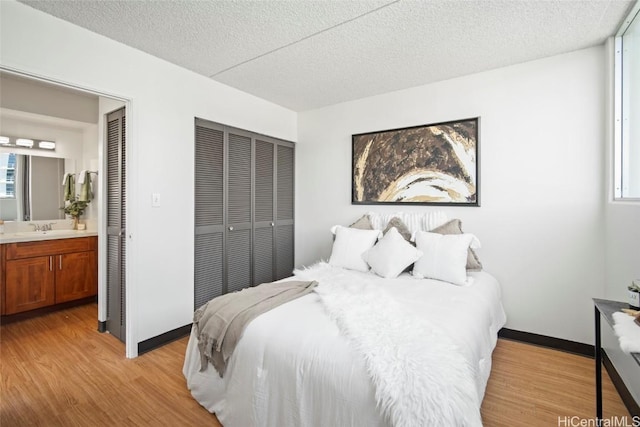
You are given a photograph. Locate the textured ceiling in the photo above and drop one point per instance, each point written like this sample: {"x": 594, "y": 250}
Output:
{"x": 307, "y": 54}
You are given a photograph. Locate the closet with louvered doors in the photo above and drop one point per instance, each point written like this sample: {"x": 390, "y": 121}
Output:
{"x": 243, "y": 210}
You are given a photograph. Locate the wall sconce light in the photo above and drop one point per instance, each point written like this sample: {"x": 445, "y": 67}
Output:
{"x": 47, "y": 145}
{"x": 8, "y": 141}
{"x": 24, "y": 142}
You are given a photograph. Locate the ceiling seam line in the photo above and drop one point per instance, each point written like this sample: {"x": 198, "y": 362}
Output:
{"x": 302, "y": 39}
{"x": 604, "y": 13}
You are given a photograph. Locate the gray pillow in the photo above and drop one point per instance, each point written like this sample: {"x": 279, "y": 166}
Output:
{"x": 363, "y": 223}
{"x": 400, "y": 226}
{"x": 455, "y": 227}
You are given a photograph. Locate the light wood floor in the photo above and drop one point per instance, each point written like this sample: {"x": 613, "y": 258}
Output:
{"x": 57, "y": 370}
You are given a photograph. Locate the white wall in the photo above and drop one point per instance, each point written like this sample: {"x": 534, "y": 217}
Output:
{"x": 541, "y": 180}
{"x": 68, "y": 138}
{"x": 89, "y": 162}
{"x": 41, "y": 98}
{"x": 164, "y": 101}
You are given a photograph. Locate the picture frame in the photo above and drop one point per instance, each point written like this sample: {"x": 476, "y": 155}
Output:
{"x": 433, "y": 164}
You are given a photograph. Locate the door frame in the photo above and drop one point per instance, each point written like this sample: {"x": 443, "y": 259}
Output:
{"x": 131, "y": 342}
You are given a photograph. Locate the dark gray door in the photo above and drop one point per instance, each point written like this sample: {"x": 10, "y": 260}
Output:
{"x": 244, "y": 215}
{"x": 284, "y": 210}
{"x": 116, "y": 221}
{"x": 209, "y": 212}
{"x": 238, "y": 205}
{"x": 264, "y": 215}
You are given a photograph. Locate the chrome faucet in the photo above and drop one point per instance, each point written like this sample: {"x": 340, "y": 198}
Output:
{"x": 42, "y": 227}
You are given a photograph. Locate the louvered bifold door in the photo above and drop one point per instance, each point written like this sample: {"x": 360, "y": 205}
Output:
{"x": 238, "y": 203}
{"x": 284, "y": 210}
{"x": 116, "y": 222}
{"x": 209, "y": 212}
{"x": 264, "y": 216}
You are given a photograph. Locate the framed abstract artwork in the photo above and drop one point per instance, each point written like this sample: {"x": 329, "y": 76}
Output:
{"x": 434, "y": 164}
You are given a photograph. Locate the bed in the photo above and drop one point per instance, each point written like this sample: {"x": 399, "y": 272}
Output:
{"x": 361, "y": 350}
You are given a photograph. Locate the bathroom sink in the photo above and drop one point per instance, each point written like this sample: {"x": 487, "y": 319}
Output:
{"x": 39, "y": 233}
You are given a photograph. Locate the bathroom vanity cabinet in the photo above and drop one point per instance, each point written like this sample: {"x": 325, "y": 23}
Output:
{"x": 39, "y": 274}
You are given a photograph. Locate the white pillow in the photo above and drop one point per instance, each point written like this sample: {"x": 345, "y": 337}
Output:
{"x": 391, "y": 255}
{"x": 445, "y": 256}
{"x": 349, "y": 246}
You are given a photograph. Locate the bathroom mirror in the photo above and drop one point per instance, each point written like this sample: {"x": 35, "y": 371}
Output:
{"x": 31, "y": 187}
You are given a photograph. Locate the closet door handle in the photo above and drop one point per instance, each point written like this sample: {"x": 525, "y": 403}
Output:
{"x": 273, "y": 224}
{"x": 60, "y": 262}
{"x": 231, "y": 228}
{"x": 50, "y": 263}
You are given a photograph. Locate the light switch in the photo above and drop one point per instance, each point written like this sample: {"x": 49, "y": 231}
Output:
{"x": 155, "y": 200}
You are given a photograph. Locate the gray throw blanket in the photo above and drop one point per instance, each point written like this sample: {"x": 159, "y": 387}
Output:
{"x": 220, "y": 322}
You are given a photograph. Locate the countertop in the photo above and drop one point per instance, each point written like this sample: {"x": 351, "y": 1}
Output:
{"x": 606, "y": 309}
{"x": 31, "y": 236}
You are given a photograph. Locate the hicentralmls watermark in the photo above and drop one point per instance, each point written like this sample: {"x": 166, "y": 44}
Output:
{"x": 575, "y": 421}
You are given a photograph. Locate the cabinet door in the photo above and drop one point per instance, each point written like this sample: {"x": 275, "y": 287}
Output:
{"x": 76, "y": 276}
{"x": 29, "y": 284}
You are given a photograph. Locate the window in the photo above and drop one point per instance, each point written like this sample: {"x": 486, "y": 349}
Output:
{"x": 7, "y": 176}
{"x": 627, "y": 114}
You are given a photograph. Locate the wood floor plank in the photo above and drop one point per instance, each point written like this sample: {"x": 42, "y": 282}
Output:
{"x": 57, "y": 370}
{"x": 534, "y": 386}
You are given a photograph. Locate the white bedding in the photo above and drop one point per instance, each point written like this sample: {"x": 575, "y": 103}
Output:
{"x": 292, "y": 367}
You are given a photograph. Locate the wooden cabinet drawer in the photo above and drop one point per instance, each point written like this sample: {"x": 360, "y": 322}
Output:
{"x": 48, "y": 247}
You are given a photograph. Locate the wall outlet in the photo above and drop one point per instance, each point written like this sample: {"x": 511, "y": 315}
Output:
{"x": 155, "y": 200}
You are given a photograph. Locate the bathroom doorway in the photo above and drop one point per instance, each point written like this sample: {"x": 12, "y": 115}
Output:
{"x": 36, "y": 103}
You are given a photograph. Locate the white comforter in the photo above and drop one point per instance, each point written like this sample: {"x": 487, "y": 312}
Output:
{"x": 293, "y": 367}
